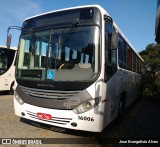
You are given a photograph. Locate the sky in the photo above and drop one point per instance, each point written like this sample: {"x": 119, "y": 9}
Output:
{"x": 135, "y": 18}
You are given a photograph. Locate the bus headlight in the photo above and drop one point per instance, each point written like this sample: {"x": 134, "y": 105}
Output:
{"x": 19, "y": 100}
{"x": 86, "y": 106}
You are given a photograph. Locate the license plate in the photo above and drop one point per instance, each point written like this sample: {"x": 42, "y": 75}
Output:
{"x": 44, "y": 116}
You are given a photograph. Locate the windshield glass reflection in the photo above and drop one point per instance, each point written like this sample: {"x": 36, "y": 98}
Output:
{"x": 67, "y": 56}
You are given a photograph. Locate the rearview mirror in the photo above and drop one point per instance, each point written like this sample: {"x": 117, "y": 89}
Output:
{"x": 8, "y": 43}
{"x": 9, "y": 36}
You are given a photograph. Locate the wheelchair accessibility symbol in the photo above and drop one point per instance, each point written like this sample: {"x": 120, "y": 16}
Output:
{"x": 50, "y": 74}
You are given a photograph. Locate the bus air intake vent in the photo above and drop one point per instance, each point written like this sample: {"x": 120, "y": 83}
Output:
{"x": 48, "y": 94}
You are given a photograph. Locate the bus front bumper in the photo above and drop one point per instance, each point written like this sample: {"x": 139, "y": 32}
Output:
{"x": 88, "y": 121}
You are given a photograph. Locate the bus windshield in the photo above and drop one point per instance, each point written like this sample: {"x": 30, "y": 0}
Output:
{"x": 6, "y": 59}
{"x": 3, "y": 62}
{"x": 59, "y": 54}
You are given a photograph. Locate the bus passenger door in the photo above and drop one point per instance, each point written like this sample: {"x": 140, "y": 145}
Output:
{"x": 110, "y": 51}
{"x": 110, "y": 71}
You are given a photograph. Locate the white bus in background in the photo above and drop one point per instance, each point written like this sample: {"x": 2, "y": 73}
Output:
{"x": 7, "y": 68}
{"x": 75, "y": 69}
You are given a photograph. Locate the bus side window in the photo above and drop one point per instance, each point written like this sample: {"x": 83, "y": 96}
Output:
{"x": 122, "y": 47}
{"x": 128, "y": 58}
{"x": 110, "y": 54}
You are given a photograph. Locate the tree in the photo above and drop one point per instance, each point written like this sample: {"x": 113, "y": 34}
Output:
{"x": 151, "y": 56}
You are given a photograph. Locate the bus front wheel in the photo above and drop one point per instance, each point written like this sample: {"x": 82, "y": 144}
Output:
{"x": 122, "y": 103}
{"x": 12, "y": 88}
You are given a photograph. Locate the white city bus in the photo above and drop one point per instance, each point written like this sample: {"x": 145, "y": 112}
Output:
{"x": 7, "y": 68}
{"x": 75, "y": 69}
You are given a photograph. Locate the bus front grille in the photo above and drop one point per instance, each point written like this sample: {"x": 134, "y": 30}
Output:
{"x": 55, "y": 120}
{"x": 48, "y": 94}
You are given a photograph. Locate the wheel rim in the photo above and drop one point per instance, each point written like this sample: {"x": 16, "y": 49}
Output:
{"x": 121, "y": 107}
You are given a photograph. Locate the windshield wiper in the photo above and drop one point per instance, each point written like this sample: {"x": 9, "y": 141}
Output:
{"x": 71, "y": 30}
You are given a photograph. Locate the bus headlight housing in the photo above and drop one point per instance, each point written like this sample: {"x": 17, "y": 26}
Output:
{"x": 86, "y": 106}
{"x": 18, "y": 99}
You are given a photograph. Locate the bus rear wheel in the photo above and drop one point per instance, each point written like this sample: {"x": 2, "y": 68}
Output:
{"x": 12, "y": 88}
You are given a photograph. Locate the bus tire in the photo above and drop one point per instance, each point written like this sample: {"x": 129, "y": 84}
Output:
{"x": 12, "y": 88}
{"x": 122, "y": 104}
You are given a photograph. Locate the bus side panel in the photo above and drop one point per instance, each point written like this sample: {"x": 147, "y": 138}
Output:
{"x": 121, "y": 81}
{"x": 113, "y": 89}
